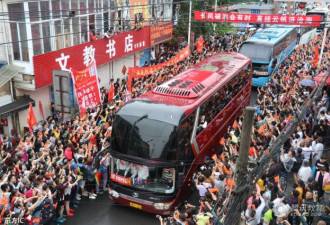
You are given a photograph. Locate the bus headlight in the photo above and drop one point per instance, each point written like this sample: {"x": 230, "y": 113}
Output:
{"x": 162, "y": 206}
{"x": 113, "y": 193}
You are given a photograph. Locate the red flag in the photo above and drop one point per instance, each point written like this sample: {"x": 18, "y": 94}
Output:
{"x": 199, "y": 44}
{"x": 31, "y": 119}
{"x": 316, "y": 57}
{"x": 41, "y": 110}
{"x": 235, "y": 124}
{"x": 222, "y": 141}
{"x": 111, "y": 92}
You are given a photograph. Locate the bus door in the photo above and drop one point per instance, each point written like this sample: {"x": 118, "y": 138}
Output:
{"x": 273, "y": 66}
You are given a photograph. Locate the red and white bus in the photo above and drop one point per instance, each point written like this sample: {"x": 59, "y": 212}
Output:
{"x": 158, "y": 139}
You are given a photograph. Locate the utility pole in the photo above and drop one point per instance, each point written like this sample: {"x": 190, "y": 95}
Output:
{"x": 327, "y": 23}
{"x": 215, "y": 10}
{"x": 189, "y": 23}
{"x": 234, "y": 213}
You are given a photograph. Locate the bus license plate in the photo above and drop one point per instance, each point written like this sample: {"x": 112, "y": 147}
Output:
{"x": 260, "y": 73}
{"x": 134, "y": 205}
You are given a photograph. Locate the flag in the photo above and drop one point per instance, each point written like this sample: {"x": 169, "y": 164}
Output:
{"x": 289, "y": 117}
{"x": 235, "y": 124}
{"x": 41, "y": 110}
{"x": 199, "y": 44}
{"x": 128, "y": 96}
{"x": 316, "y": 56}
{"x": 31, "y": 119}
{"x": 215, "y": 157}
{"x": 262, "y": 128}
{"x": 111, "y": 92}
{"x": 222, "y": 141}
{"x": 98, "y": 176}
{"x": 259, "y": 118}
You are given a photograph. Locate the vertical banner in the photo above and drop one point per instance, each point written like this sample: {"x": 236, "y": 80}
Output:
{"x": 87, "y": 87}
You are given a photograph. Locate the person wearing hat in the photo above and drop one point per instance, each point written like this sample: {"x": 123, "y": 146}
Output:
{"x": 48, "y": 213}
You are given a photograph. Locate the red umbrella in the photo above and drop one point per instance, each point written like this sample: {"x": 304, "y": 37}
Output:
{"x": 320, "y": 77}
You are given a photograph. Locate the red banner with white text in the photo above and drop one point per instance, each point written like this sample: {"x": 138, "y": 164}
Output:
{"x": 87, "y": 87}
{"x": 78, "y": 57}
{"x": 258, "y": 18}
{"x": 137, "y": 72}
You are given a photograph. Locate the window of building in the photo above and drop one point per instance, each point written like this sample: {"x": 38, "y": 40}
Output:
{"x": 56, "y": 9}
{"x": 34, "y": 11}
{"x": 44, "y": 10}
{"x": 18, "y": 32}
{"x": 58, "y": 34}
{"x": 106, "y": 22}
{"x": 66, "y": 33}
{"x": 46, "y": 37}
{"x": 84, "y": 29}
{"x": 91, "y": 6}
{"x": 83, "y": 9}
{"x": 76, "y": 31}
{"x": 36, "y": 40}
{"x": 52, "y": 28}
{"x": 98, "y": 23}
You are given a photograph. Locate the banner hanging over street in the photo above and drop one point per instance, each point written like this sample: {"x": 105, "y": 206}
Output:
{"x": 258, "y": 18}
{"x": 87, "y": 87}
{"x": 137, "y": 72}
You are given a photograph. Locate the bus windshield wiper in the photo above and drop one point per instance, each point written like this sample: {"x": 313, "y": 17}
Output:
{"x": 136, "y": 121}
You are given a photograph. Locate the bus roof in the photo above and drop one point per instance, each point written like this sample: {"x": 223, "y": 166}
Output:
{"x": 190, "y": 88}
{"x": 318, "y": 10}
{"x": 270, "y": 35}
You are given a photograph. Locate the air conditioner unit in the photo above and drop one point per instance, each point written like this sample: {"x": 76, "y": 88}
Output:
{"x": 72, "y": 13}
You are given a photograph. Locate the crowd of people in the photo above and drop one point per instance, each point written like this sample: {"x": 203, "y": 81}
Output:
{"x": 295, "y": 188}
{"x": 45, "y": 173}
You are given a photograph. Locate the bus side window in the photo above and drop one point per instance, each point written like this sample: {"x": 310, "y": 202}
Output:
{"x": 185, "y": 132}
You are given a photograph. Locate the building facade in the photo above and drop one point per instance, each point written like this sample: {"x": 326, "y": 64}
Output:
{"x": 34, "y": 30}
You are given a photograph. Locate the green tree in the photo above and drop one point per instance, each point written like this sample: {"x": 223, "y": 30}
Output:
{"x": 198, "y": 27}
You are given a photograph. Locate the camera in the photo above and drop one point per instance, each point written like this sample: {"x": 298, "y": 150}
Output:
{"x": 186, "y": 202}
{"x": 176, "y": 208}
{"x": 158, "y": 216}
{"x": 165, "y": 220}
{"x": 315, "y": 193}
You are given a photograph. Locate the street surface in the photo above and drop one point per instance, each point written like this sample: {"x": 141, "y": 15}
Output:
{"x": 103, "y": 211}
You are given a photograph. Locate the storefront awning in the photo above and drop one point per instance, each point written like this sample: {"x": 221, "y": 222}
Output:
{"x": 16, "y": 106}
{"x": 7, "y": 72}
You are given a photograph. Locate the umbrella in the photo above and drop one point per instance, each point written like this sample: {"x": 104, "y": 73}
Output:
{"x": 231, "y": 32}
{"x": 307, "y": 82}
{"x": 319, "y": 78}
{"x": 252, "y": 28}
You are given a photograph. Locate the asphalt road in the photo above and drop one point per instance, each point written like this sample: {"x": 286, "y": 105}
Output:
{"x": 103, "y": 211}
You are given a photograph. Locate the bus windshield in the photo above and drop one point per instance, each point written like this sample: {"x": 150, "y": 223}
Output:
{"x": 145, "y": 138}
{"x": 257, "y": 52}
{"x": 151, "y": 178}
